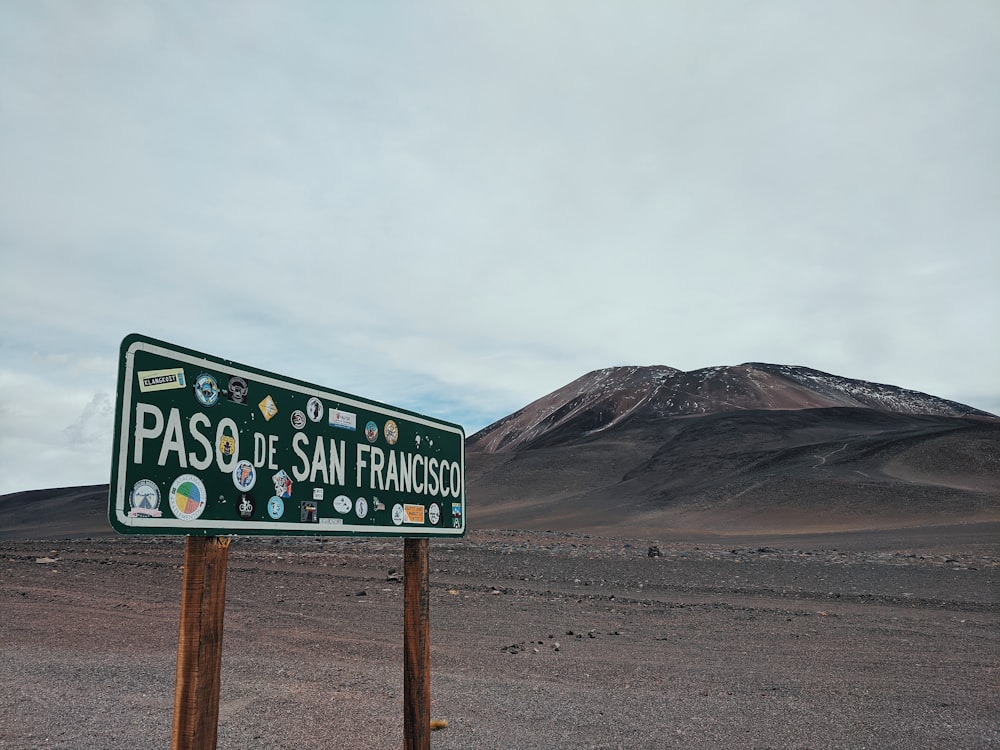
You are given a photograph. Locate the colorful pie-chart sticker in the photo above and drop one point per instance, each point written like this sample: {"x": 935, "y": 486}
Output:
{"x": 391, "y": 432}
{"x": 434, "y": 514}
{"x": 275, "y": 507}
{"x": 361, "y": 507}
{"x": 244, "y": 476}
{"x": 187, "y": 497}
{"x": 342, "y": 504}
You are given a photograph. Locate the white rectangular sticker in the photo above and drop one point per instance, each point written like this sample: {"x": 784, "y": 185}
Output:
{"x": 161, "y": 380}
{"x": 345, "y": 420}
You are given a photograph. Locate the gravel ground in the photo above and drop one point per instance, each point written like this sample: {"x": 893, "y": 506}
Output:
{"x": 539, "y": 640}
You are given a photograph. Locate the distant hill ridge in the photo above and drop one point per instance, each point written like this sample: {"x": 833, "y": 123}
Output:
{"x": 753, "y": 448}
{"x": 604, "y": 398}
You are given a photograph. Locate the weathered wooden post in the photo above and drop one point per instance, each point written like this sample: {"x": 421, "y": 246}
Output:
{"x": 199, "y": 644}
{"x": 416, "y": 646}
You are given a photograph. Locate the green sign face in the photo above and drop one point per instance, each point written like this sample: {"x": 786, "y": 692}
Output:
{"x": 205, "y": 446}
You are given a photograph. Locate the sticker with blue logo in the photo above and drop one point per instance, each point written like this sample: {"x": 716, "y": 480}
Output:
{"x": 206, "y": 389}
{"x": 275, "y": 507}
{"x": 244, "y": 476}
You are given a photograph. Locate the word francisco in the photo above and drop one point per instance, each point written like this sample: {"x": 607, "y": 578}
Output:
{"x": 192, "y": 442}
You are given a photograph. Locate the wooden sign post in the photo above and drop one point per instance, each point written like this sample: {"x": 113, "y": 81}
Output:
{"x": 416, "y": 646}
{"x": 199, "y": 644}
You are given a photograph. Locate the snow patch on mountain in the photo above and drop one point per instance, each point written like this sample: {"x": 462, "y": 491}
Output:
{"x": 604, "y": 398}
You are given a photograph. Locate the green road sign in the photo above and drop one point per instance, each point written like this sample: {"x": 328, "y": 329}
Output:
{"x": 206, "y": 446}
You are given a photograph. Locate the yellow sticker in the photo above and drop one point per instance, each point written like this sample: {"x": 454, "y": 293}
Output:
{"x": 227, "y": 445}
{"x": 268, "y": 408}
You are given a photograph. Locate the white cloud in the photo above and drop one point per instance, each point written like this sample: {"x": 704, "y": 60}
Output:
{"x": 54, "y": 435}
{"x": 472, "y": 204}
{"x": 94, "y": 423}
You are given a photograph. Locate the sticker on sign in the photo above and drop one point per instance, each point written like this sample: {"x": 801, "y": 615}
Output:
{"x": 200, "y": 448}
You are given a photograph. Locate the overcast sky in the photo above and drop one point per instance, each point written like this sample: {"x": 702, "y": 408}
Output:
{"x": 459, "y": 207}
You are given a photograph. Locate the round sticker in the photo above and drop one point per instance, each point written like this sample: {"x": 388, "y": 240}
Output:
{"x": 187, "y": 497}
{"x": 434, "y": 514}
{"x": 275, "y": 507}
{"x": 342, "y": 504}
{"x": 145, "y": 499}
{"x": 371, "y": 432}
{"x": 314, "y": 408}
{"x": 206, "y": 390}
{"x": 397, "y": 514}
{"x": 391, "y": 432}
{"x": 244, "y": 476}
{"x": 361, "y": 507}
{"x": 298, "y": 419}
{"x": 237, "y": 390}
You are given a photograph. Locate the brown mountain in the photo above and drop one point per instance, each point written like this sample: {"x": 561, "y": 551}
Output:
{"x": 732, "y": 449}
{"x": 604, "y": 398}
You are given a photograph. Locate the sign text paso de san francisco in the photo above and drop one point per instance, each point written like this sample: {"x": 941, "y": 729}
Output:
{"x": 206, "y": 446}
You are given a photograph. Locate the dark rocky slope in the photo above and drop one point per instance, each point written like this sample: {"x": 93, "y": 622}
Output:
{"x": 727, "y": 449}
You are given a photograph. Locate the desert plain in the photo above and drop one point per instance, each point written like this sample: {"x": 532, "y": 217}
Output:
{"x": 866, "y": 639}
